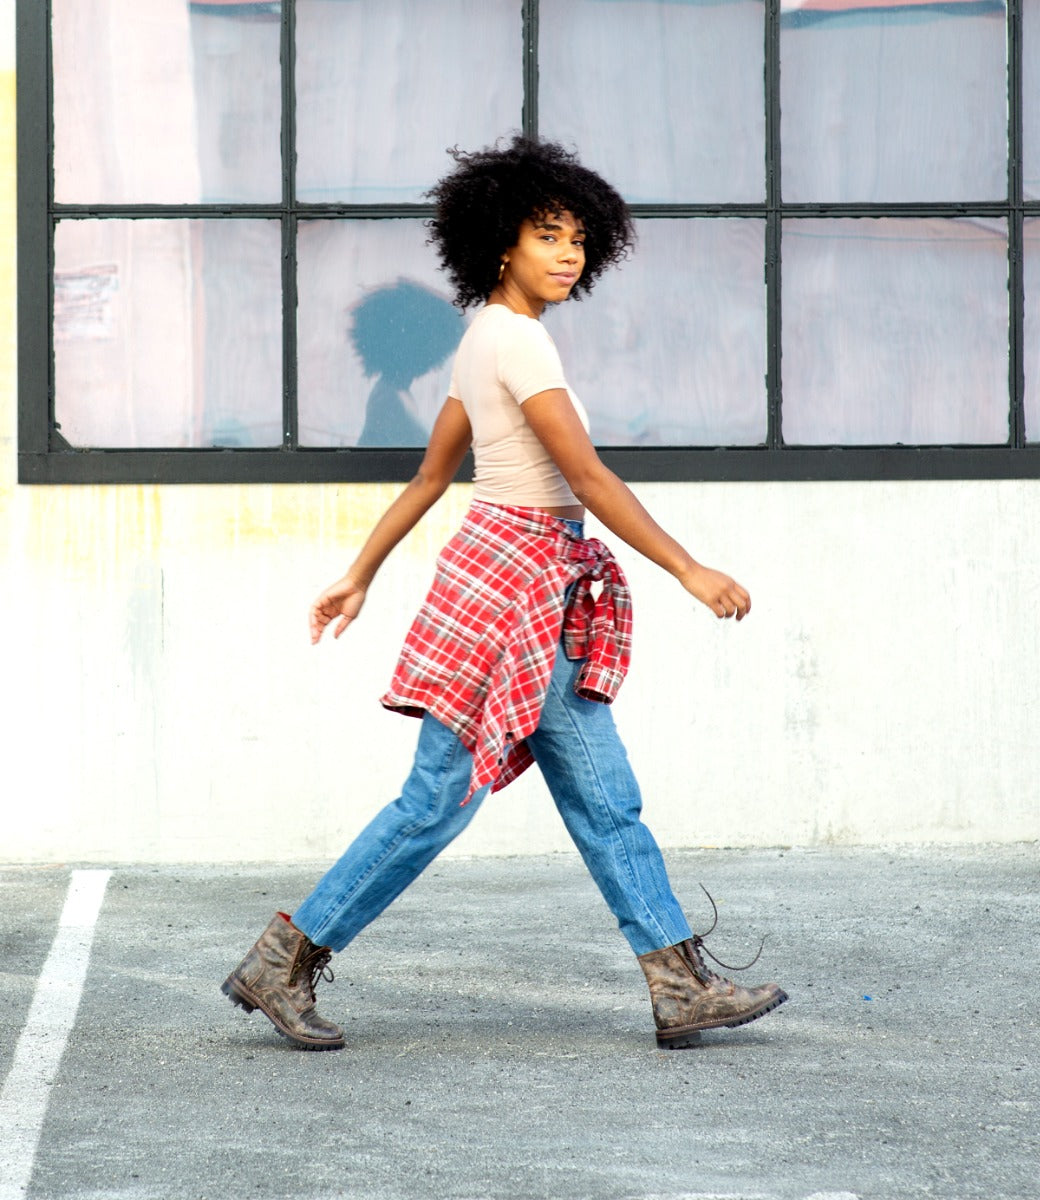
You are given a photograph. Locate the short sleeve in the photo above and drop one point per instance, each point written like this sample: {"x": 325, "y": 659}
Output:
{"x": 528, "y": 361}
{"x": 453, "y": 386}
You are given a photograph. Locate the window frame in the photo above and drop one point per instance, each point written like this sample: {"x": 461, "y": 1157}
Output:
{"x": 44, "y": 457}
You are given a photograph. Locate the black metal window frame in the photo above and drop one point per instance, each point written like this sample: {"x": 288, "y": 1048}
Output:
{"x": 45, "y": 457}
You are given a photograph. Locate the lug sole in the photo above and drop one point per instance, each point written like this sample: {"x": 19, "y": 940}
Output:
{"x": 687, "y": 1036}
{"x": 242, "y": 998}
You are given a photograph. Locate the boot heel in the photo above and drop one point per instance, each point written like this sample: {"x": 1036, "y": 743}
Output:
{"x": 235, "y": 996}
{"x": 684, "y": 1041}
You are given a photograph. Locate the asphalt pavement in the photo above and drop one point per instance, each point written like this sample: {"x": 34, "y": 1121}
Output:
{"x": 500, "y": 1041}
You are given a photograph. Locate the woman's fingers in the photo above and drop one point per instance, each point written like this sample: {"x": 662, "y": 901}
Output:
{"x": 735, "y": 603}
{"x": 321, "y": 613}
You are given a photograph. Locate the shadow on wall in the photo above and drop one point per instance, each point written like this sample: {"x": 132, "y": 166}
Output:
{"x": 399, "y": 333}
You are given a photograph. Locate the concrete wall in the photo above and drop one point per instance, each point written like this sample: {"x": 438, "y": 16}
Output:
{"x": 163, "y": 702}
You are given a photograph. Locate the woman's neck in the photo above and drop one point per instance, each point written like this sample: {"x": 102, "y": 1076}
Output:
{"x": 516, "y": 301}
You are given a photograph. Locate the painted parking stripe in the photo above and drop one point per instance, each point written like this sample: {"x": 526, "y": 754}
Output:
{"x": 744, "y": 1196}
{"x": 24, "y": 1096}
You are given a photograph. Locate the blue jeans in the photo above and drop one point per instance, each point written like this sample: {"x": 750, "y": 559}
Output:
{"x": 578, "y": 751}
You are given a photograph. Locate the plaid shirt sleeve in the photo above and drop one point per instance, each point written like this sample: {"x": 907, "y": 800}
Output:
{"x": 479, "y": 654}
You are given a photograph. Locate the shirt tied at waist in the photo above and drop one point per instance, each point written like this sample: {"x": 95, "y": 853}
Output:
{"x": 479, "y": 653}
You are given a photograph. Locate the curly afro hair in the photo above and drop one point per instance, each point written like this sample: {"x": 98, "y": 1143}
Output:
{"x": 483, "y": 202}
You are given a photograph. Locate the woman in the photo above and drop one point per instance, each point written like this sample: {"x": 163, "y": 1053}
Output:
{"x": 510, "y": 660}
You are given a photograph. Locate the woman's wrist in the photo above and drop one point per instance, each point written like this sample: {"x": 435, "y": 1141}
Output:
{"x": 360, "y": 578}
{"x": 688, "y": 572}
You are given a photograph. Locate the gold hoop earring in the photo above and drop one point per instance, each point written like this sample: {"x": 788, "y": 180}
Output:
{"x": 501, "y": 269}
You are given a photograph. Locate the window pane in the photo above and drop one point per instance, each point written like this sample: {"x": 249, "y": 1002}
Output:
{"x": 665, "y": 97}
{"x": 168, "y": 333}
{"x": 383, "y": 90}
{"x": 376, "y": 332}
{"x": 166, "y": 102}
{"x": 1032, "y": 329}
{"x": 1031, "y": 99}
{"x": 893, "y": 103}
{"x": 895, "y": 331}
{"x": 670, "y": 349}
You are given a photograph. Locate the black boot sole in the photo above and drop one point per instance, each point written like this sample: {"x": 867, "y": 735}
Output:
{"x": 690, "y": 1035}
{"x": 238, "y": 995}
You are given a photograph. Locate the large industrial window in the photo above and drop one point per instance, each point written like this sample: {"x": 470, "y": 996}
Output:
{"x": 223, "y": 266}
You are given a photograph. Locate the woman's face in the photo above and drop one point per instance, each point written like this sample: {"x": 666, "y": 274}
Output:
{"x": 546, "y": 261}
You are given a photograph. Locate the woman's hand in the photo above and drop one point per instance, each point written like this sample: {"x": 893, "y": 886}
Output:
{"x": 724, "y": 596}
{"x": 344, "y": 600}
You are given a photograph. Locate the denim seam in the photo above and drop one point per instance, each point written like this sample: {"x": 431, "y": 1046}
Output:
{"x": 579, "y": 738}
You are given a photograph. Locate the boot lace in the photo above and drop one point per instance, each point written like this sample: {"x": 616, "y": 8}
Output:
{"x": 314, "y": 965}
{"x": 697, "y": 948}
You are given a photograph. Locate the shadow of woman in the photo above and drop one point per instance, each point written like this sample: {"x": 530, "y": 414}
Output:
{"x": 399, "y": 333}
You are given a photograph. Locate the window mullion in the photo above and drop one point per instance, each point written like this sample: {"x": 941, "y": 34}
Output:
{"x": 530, "y": 67}
{"x": 774, "y": 383}
{"x": 290, "y": 415}
{"x": 34, "y": 263}
{"x": 1016, "y": 232}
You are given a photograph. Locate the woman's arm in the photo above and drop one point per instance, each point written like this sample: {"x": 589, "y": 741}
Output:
{"x": 552, "y": 417}
{"x": 448, "y": 444}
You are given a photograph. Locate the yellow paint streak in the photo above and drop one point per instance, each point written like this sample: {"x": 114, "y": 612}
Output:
{"x": 89, "y": 530}
{"x": 335, "y": 516}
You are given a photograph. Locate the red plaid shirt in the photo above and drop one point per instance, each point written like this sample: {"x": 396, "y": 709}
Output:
{"x": 479, "y": 654}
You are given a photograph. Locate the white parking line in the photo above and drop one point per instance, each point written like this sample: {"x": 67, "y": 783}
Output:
{"x": 709, "y": 1196}
{"x": 27, "y": 1088}
{"x": 744, "y": 1196}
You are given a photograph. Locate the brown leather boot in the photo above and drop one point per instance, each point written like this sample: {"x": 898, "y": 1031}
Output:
{"x": 278, "y": 977}
{"x": 688, "y": 997}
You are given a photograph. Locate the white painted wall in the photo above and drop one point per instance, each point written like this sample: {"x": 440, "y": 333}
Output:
{"x": 162, "y": 701}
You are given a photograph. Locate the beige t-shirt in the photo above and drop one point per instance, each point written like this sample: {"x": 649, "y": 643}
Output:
{"x": 505, "y": 358}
